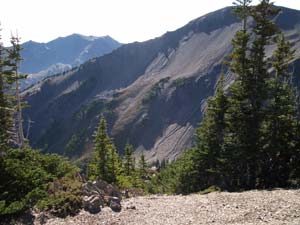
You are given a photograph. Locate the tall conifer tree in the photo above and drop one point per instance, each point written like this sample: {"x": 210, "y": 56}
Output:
{"x": 98, "y": 167}
{"x": 113, "y": 162}
{"x": 128, "y": 160}
{"x": 5, "y": 107}
{"x": 105, "y": 163}
{"x": 143, "y": 166}
{"x": 279, "y": 126}
{"x": 210, "y": 136}
{"x": 237, "y": 126}
{"x": 248, "y": 95}
{"x": 9, "y": 78}
{"x": 14, "y": 57}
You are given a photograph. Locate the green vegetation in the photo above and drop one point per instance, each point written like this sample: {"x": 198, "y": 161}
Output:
{"x": 143, "y": 166}
{"x": 63, "y": 197}
{"x": 155, "y": 90}
{"x": 248, "y": 137}
{"x": 10, "y": 103}
{"x": 210, "y": 190}
{"x": 95, "y": 108}
{"x": 88, "y": 110}
{"x": 76, "y": 143}
{"x": 26, "y": 176}
{"x": 106, "y": 164}
{"x": 180, "y": 177}
{"x": 128, "y": 162}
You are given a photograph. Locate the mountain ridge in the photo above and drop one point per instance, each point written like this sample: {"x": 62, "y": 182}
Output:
{"x": 61, "y": 54}
{"x": 152, "y": 93}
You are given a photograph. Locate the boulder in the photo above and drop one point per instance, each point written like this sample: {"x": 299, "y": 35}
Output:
{"x": 115, "y": 204}
{"x": 92, "y": 203}
{"x": 101, "y": 184}
{"x": 114, "y": 192}
{"x": 100, "y": 193}
{"x": 114, "y": 199}
{"x": 108, "y": 189}
{"x": 90, "y": 188}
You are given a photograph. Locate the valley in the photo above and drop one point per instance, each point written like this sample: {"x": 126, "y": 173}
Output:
{"x": 200, "y": 125}
{"x": 151, "y": 93}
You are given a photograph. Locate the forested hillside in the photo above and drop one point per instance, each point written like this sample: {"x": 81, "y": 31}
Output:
{"x": 110, "y": 119}
{"x": 152, "y": 94}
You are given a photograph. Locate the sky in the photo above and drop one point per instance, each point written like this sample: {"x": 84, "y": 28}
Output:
{"x": 124, "y": 20}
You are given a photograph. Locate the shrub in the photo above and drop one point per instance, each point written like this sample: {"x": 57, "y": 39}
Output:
{"x": 64, "y": 197}
{"x": 24, "y": 176}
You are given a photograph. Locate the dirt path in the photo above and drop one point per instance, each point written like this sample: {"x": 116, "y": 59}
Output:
{"x": 252, "y": 207}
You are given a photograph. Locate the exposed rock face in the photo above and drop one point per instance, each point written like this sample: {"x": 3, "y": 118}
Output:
{"x": 152, "y": 93}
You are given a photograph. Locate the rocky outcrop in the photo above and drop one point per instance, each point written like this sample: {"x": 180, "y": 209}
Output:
{"x": 115, "y": 204}
{"x": 92, "y": 204}
{"x": 98, "y": 194}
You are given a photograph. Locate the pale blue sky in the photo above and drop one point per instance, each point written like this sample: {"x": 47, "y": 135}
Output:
{"x": 124, "y": 20}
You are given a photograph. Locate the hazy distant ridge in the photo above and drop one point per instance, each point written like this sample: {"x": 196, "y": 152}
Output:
{"x": 45, "y": 59}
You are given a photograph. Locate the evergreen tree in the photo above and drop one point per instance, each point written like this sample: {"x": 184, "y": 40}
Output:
{"x": 98, "y": 168}
{"x": 210, "y": 137}
{"x": 235, "y": 117}
{"x": 105, "y": 163}
{"x": 10, "y": 99}
{"x": 14, "y": 56}
{"x": 279, "y": 126}
{"x": 242, "y": 10}
{"x": 5, "y": 106}
{"x": 113, "y": 164}
{"x": 247, "y": 139}
{"x": 128, "y": 160}
{"x": 248, "y": 95}
{"x": 143, "y": 166}
{"x": 163, "y": 164}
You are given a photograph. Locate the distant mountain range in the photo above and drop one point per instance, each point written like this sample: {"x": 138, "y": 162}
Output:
{"x": 45, "y": 59}
{"x": 152, "y": 93}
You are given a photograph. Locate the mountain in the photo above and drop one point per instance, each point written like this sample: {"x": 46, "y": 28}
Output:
{"x": 152, "y": 93}
{"x": 45, "y": 59}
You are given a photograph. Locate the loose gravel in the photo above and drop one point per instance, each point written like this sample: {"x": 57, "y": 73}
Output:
{"x": 276, "y": 207}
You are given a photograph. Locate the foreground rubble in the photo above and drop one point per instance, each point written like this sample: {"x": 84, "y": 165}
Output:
{"x": 251, "y": 207}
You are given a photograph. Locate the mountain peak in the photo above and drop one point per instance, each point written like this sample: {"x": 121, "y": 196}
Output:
{"x": 73, "y": 50}
{"x": 84, "y": 37}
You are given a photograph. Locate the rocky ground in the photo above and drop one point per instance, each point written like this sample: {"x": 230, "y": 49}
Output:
{"x": 251, "y": 207}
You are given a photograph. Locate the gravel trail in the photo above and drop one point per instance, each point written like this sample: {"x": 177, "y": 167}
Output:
{"x": 251, "y": 207}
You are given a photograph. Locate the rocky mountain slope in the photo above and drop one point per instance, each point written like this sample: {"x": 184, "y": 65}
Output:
{"x": 275, "y": 207}
{"x": 45, "y": 59}
{"x": 152, "y": 93}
